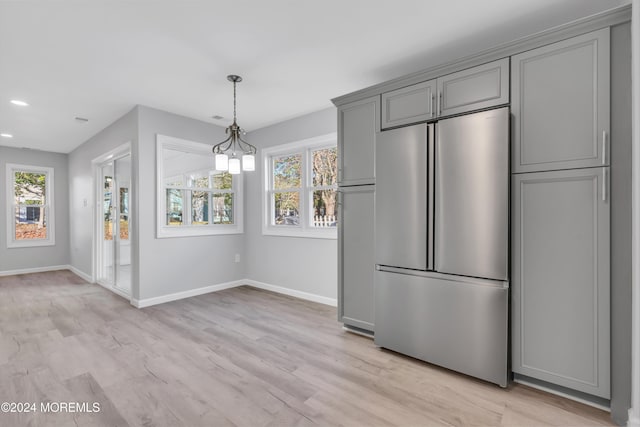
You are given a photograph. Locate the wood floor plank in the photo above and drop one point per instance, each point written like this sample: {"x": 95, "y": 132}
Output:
{"x": 238, "y": 357}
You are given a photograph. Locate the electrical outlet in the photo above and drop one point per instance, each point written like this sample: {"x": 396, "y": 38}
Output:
{"x": 237, "y": 257}
{"x": 84, "y": 203}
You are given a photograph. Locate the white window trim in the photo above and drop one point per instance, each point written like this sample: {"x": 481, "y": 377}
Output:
{"x": 305, "y": 229}
{"x": 165, "y": 231}
{"x": 49, "y": 203}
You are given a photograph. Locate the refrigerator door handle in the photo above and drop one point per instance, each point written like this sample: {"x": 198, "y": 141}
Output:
{"x": 431, "y": 143}
{"x": 604, "y": 185}
{"x": 604, "y": 147}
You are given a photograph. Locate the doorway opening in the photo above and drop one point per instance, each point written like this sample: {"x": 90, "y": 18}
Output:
{"x": 113, "y": 220}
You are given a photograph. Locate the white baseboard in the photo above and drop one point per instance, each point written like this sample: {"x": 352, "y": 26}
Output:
{"x": 34, "y": 270}
{"x": 292, "y": 292}
{"x": 634, "y": 420}
{"x": 81, "y": 274}
{"x": 147, "y": 302}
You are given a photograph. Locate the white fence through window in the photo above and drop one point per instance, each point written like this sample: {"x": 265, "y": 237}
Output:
{"x": 324, "y": 221}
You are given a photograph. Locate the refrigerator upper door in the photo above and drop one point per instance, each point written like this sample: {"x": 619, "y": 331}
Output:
{"x": 401, "y": 197}
{"x": 472, "y": 195}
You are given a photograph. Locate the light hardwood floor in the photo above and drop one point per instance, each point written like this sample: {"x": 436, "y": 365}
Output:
{"x": 241, "y": 357}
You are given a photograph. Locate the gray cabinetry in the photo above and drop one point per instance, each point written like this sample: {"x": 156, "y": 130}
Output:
{"x": 358, "y": 124}
{"x": 560, "y": 284}
{"x": 472, "y": 89}
{"x": 476, "y": 88}
{"x": 560, "y": 104}
{"x": 358, "y": 127}
{"x": 410, "y": 104}
{"x": 356, "y": 257}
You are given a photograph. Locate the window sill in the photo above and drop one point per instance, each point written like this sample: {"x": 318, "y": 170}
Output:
{"x": 194, "y": 231}
{"x": 30, "y": 244}
{"x": 297, "y": 232}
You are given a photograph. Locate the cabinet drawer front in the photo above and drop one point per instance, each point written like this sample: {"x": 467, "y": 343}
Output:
{"x": 561, "y": 105}
{"x": 358, "y": 125}
{"x": 474, "y": 89}
{"x": 407, "y": 105}
{"x": 560, "y": 286}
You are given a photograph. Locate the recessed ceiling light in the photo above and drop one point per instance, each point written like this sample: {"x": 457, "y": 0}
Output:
{"x": 6, "y": 135}
{"x": 20, "y": 103}
{"x": 217, "y": 117}
{"x": 82, "y": 119}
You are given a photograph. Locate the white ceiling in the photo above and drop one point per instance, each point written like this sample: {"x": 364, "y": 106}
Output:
{"x": 99, "y": 58}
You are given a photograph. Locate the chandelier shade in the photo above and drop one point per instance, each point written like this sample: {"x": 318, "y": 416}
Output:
{"x": 228, "y": 152}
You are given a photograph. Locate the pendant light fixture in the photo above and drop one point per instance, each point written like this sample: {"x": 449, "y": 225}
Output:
{"x": 227, "y": 152}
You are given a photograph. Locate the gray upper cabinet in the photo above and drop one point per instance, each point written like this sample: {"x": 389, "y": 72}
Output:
{"x": 358, "y": 124}
{"x": 472, "y": 89}
{"x": 356, "y": 266}
{"x": 561, "y": 277}
{"x": 410, "y": 104}
{"x": 560, "y": 104}
{"x": 479, "y": 87}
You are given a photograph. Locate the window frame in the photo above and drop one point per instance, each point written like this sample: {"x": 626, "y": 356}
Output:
{"x": 305, "y": 228}
{"x": 187, "y": 229}
{"x": 49, "y": 206}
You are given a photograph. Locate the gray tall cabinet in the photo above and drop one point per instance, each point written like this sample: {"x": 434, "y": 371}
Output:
{"x": 560, "y": 214}
{"x": 558, "y": 85}
{"x": 358, "y": 125}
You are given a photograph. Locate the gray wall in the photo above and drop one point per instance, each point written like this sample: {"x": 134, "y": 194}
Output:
{"x": 183, "y": 263}
{"x": 45, "y": 256}
{"x": 620, "y": 222}
{"x": 302, "y": 264}
{"x": 81, "y": 187}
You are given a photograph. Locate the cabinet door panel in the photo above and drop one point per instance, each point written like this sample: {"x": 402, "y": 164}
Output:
{"x": 407, "y": 105}
{"x": 356, "y": 257}
{"x": 479, "y": 87}
{"x": 560, "y": 286}
{"x": 560, "y": 96}
{"x": 358, "y": 125}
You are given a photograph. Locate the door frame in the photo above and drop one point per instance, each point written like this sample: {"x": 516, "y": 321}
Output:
{"x": 96, "y": 166}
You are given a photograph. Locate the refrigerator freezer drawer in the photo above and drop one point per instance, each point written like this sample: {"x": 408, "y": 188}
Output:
{"x": 455, "y": 324}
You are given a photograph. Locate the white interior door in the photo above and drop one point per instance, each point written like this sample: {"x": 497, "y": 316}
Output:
{"x": 122, "y": 242}
{"x": 106, "y": 267}
{"x": 114, "y": 246}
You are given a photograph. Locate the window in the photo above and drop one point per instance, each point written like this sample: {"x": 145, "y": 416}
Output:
{"x": 193, "y": 198}
{"x": 30, "y": 203}
{"x": 300, "y": 188}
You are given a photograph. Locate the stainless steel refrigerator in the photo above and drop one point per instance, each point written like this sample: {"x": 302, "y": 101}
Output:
{"x": 442, "y": 221}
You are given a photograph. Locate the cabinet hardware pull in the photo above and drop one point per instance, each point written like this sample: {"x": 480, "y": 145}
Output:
{"x": 440, "y": 112}
{"x": 433, "y": 105}
{"x": 604, "y": 147}
{"x": 604, "y": 185}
